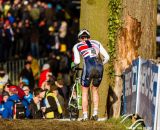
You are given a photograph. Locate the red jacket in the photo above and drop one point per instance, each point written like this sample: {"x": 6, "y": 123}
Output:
{"x": 21, "y": 93}
{"x": 43, "y": 77}
{"x": 1, "y": 99}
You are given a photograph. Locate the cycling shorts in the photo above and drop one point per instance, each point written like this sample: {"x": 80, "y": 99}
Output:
{"x": 92, "y": 72}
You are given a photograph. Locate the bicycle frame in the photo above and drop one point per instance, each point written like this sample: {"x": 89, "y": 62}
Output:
{"x": 78, "y": 97}
{"x": 75, "y": 100}
{"x": 79, "y": 93}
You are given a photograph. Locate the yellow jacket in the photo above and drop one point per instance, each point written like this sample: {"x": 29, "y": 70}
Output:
{"x": 35, "y": 68}
{"x": 51, "y": 114}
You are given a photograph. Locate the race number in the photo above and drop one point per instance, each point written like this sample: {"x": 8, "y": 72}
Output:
{"x": 92, "y": 52}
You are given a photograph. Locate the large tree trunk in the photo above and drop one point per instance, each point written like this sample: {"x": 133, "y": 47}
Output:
{"x": 136, "y": 38}
{"x": 94, "y": 15}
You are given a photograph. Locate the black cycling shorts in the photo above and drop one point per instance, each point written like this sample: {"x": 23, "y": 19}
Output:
{"x": 92, "y": 72}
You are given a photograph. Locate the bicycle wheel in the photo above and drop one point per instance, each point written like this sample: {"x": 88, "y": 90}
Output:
{"x": 73, "y": 109}
{"x": 73, "y": 113}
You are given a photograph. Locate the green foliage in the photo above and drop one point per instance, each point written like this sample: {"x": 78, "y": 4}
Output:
{"x": 114, "y": 23}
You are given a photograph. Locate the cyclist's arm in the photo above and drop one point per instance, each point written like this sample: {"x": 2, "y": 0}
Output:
{"x": 76, "y": 55}
{"x": 104, "y": 53}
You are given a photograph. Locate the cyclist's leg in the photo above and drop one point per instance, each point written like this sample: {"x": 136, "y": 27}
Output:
{"x": 85, "y": 101}
{"x": 95, "y": 97}
{"x": 97, "y": 78}
{"x": 85, "y": 82}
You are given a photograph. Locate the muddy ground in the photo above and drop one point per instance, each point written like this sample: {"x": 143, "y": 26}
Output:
{"x": 58, "y": 125}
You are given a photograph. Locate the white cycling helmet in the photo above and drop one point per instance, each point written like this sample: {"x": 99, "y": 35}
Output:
{"x": 84, "y": 33}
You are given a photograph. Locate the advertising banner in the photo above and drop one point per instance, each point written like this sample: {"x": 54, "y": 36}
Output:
{"x": 148, "y": 93}
{"x": 157, "y": 118}
{"x": 158, "y": 115}
{"x": 127, "y": 91}
{"x": 130, "y": 88}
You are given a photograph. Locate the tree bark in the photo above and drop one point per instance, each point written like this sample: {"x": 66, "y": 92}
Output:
{"x": 145, "y": 11}
{"x": 136, "y": 38}
{"x": 94, "y": 16}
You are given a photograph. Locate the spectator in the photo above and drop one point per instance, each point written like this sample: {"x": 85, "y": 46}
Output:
{"x": 28, "y": 96}
{"x": 61, "y": 86}
{"x": 8, "y": 111}
{"x": 19, "y": 39}
{"x": 6, "y": 87}
{"x": 5, "y": 96}
{"x": 52, "y": 107}
{"x": 54, "y": 63}
{"x": 11, "y": 18}
{"x": 26, "y": 31}
{"x": 21, "y": 93}
{"x": 35, "y": 43}
{"x": 3, "y": 78}
{"x": 45, "y": 73}
{"x": 9, "y": 39}
{"x": 7, "y": 7}
{"x": 49, "y": 13}
{"x": 35, "y": 13}
{"x": 1, "y": 99}
{"x": 28, "y": 74}
{"x": 34, "y": 66}
{"x": 52, "y": 87}
{"x": 23, "y": 82}
{"x": 52, "y": 40}
{"x": 36, "y": 105}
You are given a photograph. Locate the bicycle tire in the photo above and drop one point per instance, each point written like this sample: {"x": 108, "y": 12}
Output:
{"x": 73, "y": 114}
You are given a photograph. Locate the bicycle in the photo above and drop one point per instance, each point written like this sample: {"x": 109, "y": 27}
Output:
{"x": 75, "y": 100}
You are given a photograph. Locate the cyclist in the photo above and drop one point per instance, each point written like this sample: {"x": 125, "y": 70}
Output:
{"x": 90, "y": 50}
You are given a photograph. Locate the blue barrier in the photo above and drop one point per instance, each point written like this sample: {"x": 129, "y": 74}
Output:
{"x": 130, "y": 87}
{"x": 141, "y": 92}
{"x": 148, "y": 93}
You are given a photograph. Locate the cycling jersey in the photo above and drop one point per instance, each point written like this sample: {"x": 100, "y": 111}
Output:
{"x": 84, "y": 50}
{"x": 92, "y": 68}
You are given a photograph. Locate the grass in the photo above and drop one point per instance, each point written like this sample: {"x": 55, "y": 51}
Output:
{"x": 127, "y": 123}
{"x": 50, "y": 124}
{"x": 111, "y": 124}
{"x": 116, "y": 124}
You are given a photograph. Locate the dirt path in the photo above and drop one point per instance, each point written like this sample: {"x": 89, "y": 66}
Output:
{"x": 57, "y": 125}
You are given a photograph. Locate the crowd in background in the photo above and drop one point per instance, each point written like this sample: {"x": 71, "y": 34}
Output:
{"x": 33, "y": 29}
{"x": 41, "y": 91}
{"x": 38, "y": 27}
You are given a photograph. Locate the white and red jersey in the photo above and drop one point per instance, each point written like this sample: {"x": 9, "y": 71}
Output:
{"x": 84, "y": 50}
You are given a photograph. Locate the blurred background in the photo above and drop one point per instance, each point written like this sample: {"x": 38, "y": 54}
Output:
{"x": 45, "y": 30}
{"x": 37, "y": 27}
